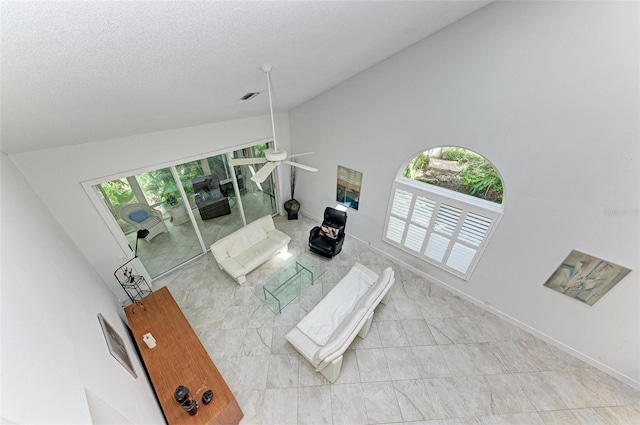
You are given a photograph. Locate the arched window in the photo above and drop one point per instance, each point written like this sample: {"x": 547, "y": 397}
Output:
{"x": 445, "y": 204}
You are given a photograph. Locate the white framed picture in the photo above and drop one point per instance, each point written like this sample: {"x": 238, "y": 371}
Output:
{"x": 116, "y": 346}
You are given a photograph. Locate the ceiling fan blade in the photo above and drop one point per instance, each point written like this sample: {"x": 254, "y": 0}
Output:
{"x": 304, "y": 167}
{"x": 247, "y": 161}
{"x": 300, "y": 154}
{"x": 264, "y": 172}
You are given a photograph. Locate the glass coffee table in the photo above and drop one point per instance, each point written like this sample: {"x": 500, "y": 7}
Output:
{"x": 287, "y": 283}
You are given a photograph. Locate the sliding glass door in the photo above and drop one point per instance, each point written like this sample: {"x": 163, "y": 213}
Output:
{"x": 209, "y": 186}
{"x": 258, "y": 199}
{"x": 148, "y": 201}
{"x": 187, "y": 207}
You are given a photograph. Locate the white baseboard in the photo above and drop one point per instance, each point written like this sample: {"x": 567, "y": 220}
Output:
{"x": 558, "y": 344}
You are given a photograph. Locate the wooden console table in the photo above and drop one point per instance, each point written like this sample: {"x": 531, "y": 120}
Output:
{"x": 179, "y": 359}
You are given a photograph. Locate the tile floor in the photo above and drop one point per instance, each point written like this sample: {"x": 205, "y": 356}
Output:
{"x": 180, "y": 244}
{"x": 429, "y": 358}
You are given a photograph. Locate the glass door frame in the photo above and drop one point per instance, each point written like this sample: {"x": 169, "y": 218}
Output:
{"x": 185, "y": 199}
{"x": 110, "y": 221}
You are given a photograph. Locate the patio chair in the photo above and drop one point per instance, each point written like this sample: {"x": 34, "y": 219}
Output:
{"x": 142, "y": 216}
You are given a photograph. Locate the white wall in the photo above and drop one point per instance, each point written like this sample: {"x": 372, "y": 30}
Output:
{"x": 548, "y": 91}
{"x": 56, "y": 175}
{"x": 53, "y": 348}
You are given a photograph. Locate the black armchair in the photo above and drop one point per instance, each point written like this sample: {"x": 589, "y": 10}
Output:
{"x": 327, "y": 240}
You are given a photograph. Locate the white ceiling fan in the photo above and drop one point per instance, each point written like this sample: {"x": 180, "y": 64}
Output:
{"x": 272, "y": 157}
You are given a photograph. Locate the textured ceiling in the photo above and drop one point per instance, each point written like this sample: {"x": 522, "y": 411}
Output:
{"x": 80, "y": 71}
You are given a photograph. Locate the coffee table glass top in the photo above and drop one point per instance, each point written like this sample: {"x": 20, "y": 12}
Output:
{"x": 286, "y": 284}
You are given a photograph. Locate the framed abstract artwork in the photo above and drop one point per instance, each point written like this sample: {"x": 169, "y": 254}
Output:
{"x": 349, "y": 186}
{"x": 585, "y": 278}
{"x": 116, "y": 346}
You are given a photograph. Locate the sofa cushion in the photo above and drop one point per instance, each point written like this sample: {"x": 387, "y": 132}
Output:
{"x": 278, "y": 237}
{"x": 244, "y": 239}
{"x": 139, "y": 216}
{"x": 257, "y": 254}
{"x": 375, "y": 290}
{"x": 341, "y": 335}
{"x": 234, "y": 267}
{"x": 247, "y": 248}
{"x": 304, "y": 345}
{"x": 330, "y": 312}
{"x": 265, "y": 222}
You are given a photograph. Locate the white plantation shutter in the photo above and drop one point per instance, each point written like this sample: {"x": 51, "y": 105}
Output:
{"x": 437, "y": 247}
{"x": 415, "y": 237}
{"x": 395, "y": 229}
{"x": 450, "y": 231}
{"x": 461, "y": 257}
{"x": 447, "y": 219}
{"x": 401, "y": 203}
{"x": 423, "y": 211}
{"x": 474, "y": 229}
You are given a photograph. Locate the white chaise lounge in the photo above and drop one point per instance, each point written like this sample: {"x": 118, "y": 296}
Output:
{"x": 326, "y": 332}
{"x": 247, "y": 248}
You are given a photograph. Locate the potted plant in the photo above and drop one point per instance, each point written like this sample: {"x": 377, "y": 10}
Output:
{"x": 171, "y": 199}
{"x": 292, "y": 206}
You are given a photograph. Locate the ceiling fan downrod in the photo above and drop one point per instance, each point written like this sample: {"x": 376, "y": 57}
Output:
{"x": 267, "y": 70}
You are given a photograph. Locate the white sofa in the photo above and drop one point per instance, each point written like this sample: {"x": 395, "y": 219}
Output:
{"x": 247, "y": 248}
{"x": 326, "y": 332}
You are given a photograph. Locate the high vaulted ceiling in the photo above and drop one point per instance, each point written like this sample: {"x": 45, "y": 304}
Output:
{"x": 80, "y": 71}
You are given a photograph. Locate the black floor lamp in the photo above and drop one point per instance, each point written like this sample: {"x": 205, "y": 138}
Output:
{"x": 142, "y": 233}
{"x": 131, "y": 282}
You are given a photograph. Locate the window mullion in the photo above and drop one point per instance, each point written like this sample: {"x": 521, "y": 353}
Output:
{"x": 431, "y": 229}
{"x": 426, "y": 239}
{"x": 454, "y": 235}
{"x": 408, "y": 219}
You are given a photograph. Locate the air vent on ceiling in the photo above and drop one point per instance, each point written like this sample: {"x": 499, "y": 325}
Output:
{"x": 250, "y": 95}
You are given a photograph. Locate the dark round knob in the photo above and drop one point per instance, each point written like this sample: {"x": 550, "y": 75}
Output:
{"x": 181, "y": 393}
{"x": 207, "y": 396}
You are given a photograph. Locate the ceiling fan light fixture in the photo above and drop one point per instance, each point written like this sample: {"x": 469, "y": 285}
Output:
{"x": 275, "y": 155}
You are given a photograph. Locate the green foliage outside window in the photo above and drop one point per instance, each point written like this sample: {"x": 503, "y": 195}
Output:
{"x": 159, "y": 186}
{"x": 118, "y": 191}
{"x": 453, "y": 154}
{"x": 156, "y": 184}
{"x": 259, "y": 149}
{"x": 479, "y": 176}
{"x": 418, "y": 163}
{"x": 476, "y": 176}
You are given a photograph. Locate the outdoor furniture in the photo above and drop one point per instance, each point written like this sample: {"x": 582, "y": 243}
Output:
{"x": 142, "y": 216}
{"x": 178, "y": 213}
{"x": 210, "y": 199}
